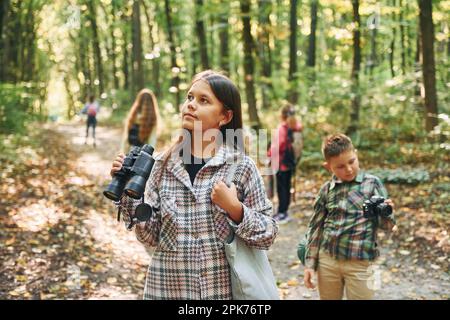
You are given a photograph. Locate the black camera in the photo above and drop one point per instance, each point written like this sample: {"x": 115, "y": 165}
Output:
{"x": 376, "y": 207}
{"x": 133, "y": 175}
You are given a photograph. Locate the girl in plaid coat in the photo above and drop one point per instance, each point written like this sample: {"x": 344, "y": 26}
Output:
{"x": 194, "y": 210}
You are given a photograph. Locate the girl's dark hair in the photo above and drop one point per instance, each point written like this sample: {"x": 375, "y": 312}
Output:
{"x": 227, "y": 93}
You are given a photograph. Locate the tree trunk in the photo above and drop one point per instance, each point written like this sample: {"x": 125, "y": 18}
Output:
{"x": 277, "y": 58}
{"x": 392, "y": 51}
{"x": 201, "y": 34}
{"x": 125, "y": 64}
{"x": 113, "y": 45}
{"x": 11, "y": 49}
{"x": 137, "y": 67}
{"x": 96, "y": 44}
{"x": 331, "y": 41}
{"x": 428, "y": 66}
{"x": 292, "y": 77}
{"x": 212, "y": 42}
{"x": 409, "y": 40}
{"x": 249, "y": 65}
{"x": 84, "y": 65}
{"x": 311, "y": 62}
{"x": 417, "y": 64}
{"x": 155, "y": 60}
{"x": 27, "y": 59}
{"x": 264, "y": 51}
{"x": 224, "y": 55}
{"x": 4, "y": 9}
{"x": 373, "y": 61}
{"x": 173, "y": 56}
{"x": 70, "y": 97}
{"x": 403, "y": 33}
{"x": 354, "y": 115}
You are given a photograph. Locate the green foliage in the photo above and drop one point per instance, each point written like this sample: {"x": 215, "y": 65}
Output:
{"x": 120, "y": 102}
{"x": 17, "y": 102}
{"x": 18, "y": 149}
{"x": 401, "y": 176}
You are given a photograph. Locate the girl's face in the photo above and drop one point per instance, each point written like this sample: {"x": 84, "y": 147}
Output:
{"x": 203, "y": 107}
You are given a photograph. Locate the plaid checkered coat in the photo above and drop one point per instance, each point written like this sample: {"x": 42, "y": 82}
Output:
{"x": 188, "y": 230}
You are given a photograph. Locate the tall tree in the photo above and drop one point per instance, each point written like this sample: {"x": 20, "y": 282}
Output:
{"x": 10, "y": 46}
{"x": 311, "y": 62}
{"x": 249, "y": 65}
{"x": 224, "y": 56}
{"x": 394, "y": 32}
{"x": 138, "y": 69}
{"x": 92, "y": 16}
{"x": 417, "y": 64}
{"x": 83, "y": 62}
{"x": 4, "y": 7}
{"x": 126, "y": 50}
{"x": 151, "y": 22}
{"x": 403, "y": 34}
{"x": 373, "y": 27}
{"x": 428, "y": 65}
{"x": 27, "y": 52}
{"x": 201, "y": 34}
{"x": 173, "y": 55}
{"x": 356, "y": 67}
{"x": 112, "y": 53}
{"x": 292, "y": 77}
{"x": 264, "y": 52}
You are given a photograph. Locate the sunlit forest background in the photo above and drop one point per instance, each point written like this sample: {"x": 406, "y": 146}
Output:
{"x": 376, "y": 70}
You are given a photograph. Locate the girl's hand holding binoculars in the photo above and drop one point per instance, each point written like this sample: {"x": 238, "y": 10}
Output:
{"x": 117, "y": 164}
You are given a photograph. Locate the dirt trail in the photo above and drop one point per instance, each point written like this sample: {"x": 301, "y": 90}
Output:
{"x": 127, "y": 258}
{"x": 398, "y": 276}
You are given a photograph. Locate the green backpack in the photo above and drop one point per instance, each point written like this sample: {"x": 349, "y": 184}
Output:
{"x": 301, "y": 250}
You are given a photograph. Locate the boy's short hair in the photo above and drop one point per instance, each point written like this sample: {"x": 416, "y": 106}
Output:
{"x": 336, "y": 144}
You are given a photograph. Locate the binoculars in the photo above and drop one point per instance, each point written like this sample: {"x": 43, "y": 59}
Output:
{"x": 133, "y": 175}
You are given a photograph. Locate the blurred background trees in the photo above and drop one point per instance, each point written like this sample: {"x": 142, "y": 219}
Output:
{"x": 378, "y": 70}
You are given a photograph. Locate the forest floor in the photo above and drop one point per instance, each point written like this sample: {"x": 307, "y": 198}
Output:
{"x": 59, "y": 237}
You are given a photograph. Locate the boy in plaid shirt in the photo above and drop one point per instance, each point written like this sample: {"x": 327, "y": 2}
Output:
{"x": 341, "y": 240}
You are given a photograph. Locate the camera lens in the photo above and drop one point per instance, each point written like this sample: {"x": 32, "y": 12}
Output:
{"x": 143, "y": 212}
{"x": 384, "y": 210}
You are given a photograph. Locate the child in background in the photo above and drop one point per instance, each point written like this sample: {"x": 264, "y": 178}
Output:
{"x": 91, "y": 108}
{"x": 142, "y": 122}
{"x": 283, "y": 157}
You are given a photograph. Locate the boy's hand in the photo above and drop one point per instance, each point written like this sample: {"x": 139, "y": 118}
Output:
{"x": 391, "y": 203}
{"x": 308, "y": 277}
{"x": 227, "y": 199}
